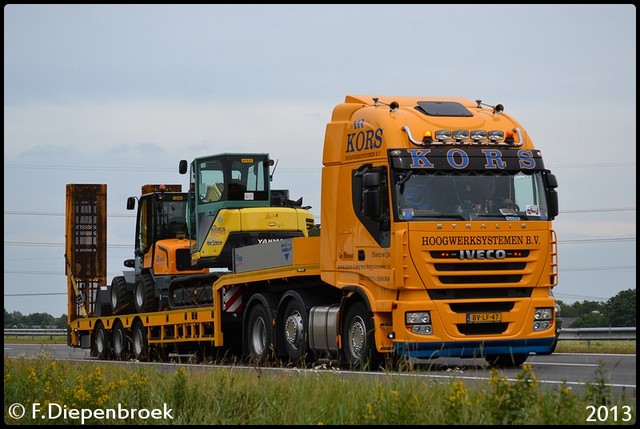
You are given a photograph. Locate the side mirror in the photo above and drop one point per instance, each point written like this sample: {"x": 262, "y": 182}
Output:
{"x": 182, "y": 166}
{"x": 553, "y": 203}
{"x": 552, "y": 195}
{"x": 131, "y": 203}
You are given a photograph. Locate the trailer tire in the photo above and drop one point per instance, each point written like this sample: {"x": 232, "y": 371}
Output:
{"x": 295, "y": 331}
{"x": 121, "y": 298}
{"x": 506, "y": 361}
{"x": 358, "y": 340}
{"x": 120, "y": 341}
{"x": 100, "y": 346}
{"x": 259, "y": 334}
{"x": 139, "y": 342}
{"x": 145, "y": 296}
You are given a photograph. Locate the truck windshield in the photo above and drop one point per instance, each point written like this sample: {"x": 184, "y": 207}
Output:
{"x": 420, "y": 196}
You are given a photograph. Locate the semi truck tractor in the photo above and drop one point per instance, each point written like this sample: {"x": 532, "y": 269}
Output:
{"x": 435, "y": 240}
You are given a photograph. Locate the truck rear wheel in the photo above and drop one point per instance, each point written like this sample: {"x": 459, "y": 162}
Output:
{"x": 259, "y": 334}
{"x": 145, "y": 296}
{"x": 120, "y": 341}
{"x": 100, "y": 347}
{"x": 358, "y": 342}
{"x": 296, "y": 332}
{"x": 121, "y": 298}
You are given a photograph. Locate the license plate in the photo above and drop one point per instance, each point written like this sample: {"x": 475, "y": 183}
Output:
{"x": 484, "y": 317}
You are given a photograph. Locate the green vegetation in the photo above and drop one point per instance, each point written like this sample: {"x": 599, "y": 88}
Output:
{"x": 230, "y": 396}
{"x": 52, "y": 339}
{"x": 618, "y": 311}
{"x": 597, "y": 346}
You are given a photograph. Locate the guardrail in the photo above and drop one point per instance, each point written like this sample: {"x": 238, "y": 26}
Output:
{"x": 565, "y": 334}
{"x": 597, "y": 334}
{"x": 26, "y": 332}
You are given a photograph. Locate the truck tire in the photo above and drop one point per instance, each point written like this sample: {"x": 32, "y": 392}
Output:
{"x": 259, "y": 334}
{"x": 296, "y": 332}
{"x": 145, "y": 296}
{"x": 100, "y": 346}
{"x": 121, "y": 298}
{"x": 119, "y": 341}
{"x": 139, "y": 342}
{"x": 358, "y": 341}
{"x": 506, "y": 361}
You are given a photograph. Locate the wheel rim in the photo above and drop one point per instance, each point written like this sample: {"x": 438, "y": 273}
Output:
{"x": 357, "y": 337}
{"x": 259, "y": 336}
{"x": 118, "y": 342}
{"x": 138, "y": 341}
{"x": 100, "y": 340}
{"x": 293, "y": 329}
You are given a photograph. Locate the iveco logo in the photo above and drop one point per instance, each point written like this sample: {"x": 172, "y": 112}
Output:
{"x": 483, "y": 254}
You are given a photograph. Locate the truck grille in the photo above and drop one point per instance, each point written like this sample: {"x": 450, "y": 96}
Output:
{"x": 451, "y": 269}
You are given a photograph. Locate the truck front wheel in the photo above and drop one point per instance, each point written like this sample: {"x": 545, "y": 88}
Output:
{"x": 358, "y": 341}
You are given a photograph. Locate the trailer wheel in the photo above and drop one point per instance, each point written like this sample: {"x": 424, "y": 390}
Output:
{"x": 100, "y": 347}
{"x": 296, "y": 332}
{"x": 358, "y": 342}
{"x": 120, "y": 341}
{"x": 506, "y": 361}
{"x": 121, "y": 298}
{"x": 145, "y": 296}
{"x": 139, "y": 343}
{"x": 259, "y": 334}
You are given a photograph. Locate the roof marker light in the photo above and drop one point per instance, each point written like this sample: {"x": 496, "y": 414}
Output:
{"x": 443, "y": 135}
{"x": 427, "y": 137}
{"x": 496, "y": 135}
{"x": 509, "y": 138}
{"x": 459, "y": 135}
{"x": 477, "y": 135}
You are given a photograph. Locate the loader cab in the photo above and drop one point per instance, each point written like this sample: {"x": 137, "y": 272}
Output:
{"x": 161, "y": 215}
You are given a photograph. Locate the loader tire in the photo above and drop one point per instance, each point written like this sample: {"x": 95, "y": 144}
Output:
{"x": 145, "y": 296}
{"x": 121, "y": 298}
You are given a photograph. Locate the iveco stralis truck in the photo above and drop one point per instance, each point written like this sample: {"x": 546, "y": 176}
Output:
{"x": 435, "y": 240}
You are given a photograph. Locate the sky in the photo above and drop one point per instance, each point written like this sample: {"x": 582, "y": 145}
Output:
{"x": 118, "y": 94}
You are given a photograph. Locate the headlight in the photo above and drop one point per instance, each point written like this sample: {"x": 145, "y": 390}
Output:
{"x": 544, "y": 313}
{"x": 413, "y": 318}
